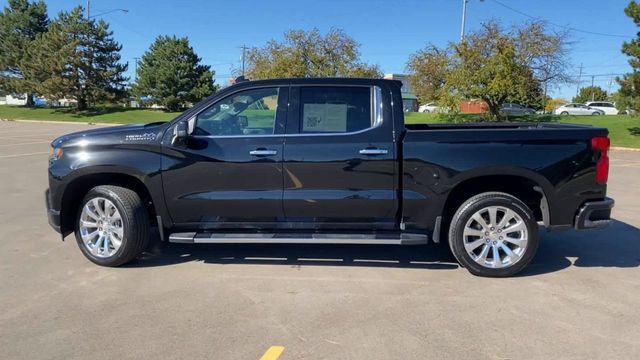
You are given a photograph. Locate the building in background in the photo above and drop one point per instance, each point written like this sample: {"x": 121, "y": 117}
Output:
{"x": 473, "y": 106}
{"x": 409, "y": 98}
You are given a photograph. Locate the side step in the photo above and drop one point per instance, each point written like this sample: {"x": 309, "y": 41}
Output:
{"x": 276, "y": 238}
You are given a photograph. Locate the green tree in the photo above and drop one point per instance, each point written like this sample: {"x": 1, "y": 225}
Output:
{"x": 629, "y": 94}
{"x": 554, "y": 103}
{"x": 427, "y": 70}
{"x": 493, "y": 64}
{"x": 590, "y": 93}
{"x": 171, "y": 74}
{"x": 309, "y": 54}
{"x": 79, "y": 59}
{"x": 486, "y": 66}
{"x": 20, "y": 23}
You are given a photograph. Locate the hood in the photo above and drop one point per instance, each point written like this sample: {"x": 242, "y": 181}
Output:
{"x": 123, "y": 134}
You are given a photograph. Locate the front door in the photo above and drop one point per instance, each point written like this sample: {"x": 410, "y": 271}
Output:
{"x": 229, "y": 173}
{"x": 339, "y": 159}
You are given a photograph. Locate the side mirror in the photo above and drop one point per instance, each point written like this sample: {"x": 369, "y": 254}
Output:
{"x": 180, "y": 134}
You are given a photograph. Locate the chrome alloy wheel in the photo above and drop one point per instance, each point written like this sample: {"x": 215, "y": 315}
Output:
{"x": 495, "y": 237}
{"x": 101, "y": 227}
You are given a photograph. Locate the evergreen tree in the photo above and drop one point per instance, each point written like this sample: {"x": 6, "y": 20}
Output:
{"x": 170, "y": 73}
{"x": 629, "y": 93}
{"x": 20, "y": 23}
{"x": 80, "y": 60}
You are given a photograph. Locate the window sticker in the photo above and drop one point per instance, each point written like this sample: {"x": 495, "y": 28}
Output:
{"x": 324, "y": 118}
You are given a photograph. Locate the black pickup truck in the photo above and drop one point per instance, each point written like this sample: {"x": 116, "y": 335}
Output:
{"x": 327, "y": 161}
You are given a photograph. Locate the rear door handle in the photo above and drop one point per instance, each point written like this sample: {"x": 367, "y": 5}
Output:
{"x": 371, "y": 151}
{"x": 263, "y": 152}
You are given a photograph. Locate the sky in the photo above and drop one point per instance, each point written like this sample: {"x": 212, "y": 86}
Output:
{"x": 388, "y": 31}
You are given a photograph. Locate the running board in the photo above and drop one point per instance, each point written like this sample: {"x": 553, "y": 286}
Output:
{"x": 275, "y": 238}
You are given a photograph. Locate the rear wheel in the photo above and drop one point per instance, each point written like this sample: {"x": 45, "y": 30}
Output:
{"x": 112, "y": 225}
{"x": 595, "y": 113}
{"x": 493, "y": 234}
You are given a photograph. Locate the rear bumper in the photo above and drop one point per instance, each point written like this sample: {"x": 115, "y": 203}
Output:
{"x": 53, "y": 215}
{"x": 594, "y": 215}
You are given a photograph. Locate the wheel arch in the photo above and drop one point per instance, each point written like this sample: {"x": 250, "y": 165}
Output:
{"x": 529, "y": 191}
{"x": 78, "y": 188}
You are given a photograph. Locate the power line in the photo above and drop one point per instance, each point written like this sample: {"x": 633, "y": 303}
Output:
{"x": 570, "y": 28}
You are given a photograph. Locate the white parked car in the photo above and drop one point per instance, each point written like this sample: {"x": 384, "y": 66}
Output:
{"x": 432, "y": 107}
{"x": 577, "y": 109}
{"x": 608, "y": 107}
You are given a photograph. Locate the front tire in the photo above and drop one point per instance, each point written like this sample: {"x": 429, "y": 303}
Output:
{"x": 564, "y": 113}
{"x": 493, "y": 234}
{"x": 112, "y": 225}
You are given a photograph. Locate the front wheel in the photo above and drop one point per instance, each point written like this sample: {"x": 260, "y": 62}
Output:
{"x": 493, "y": 234}
{"x": 595, "y": 113}
{"x": 112, "y": 226}
{"x": 564, "y": 113}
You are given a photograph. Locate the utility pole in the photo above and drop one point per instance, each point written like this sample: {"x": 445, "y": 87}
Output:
{"x": 544, "y": 98}
{"x": 244, "y": 51}
{"x": 135, "y": 75}
{"x": 464, "y": 18}
{"x": 579, "y": 80}
{"x": 88, "y": 9}
{"x": 610, "y": 83}
{"x": 592, "y": 92}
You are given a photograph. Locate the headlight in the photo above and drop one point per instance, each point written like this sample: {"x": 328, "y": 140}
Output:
{"x": 56, "y": 154}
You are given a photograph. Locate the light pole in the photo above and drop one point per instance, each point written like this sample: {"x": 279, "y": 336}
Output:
{"x": 464, "y": 18}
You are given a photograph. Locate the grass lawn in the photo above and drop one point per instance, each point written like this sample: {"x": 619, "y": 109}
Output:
{"x": 115, "y": 115}
{"x": 624, "y": 130}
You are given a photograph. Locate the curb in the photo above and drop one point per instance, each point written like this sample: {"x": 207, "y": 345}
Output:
{"x": 62, "y": 122}
{"x": 617, "y": 148}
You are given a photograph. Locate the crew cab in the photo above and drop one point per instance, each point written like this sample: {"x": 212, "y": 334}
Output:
{"x": 327, "y": 161}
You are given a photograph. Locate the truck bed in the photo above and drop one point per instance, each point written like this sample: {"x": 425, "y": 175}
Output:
{"x": 494, "y": 125}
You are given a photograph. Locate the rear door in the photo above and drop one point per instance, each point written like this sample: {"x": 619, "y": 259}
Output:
{"x": 339, "y": 158}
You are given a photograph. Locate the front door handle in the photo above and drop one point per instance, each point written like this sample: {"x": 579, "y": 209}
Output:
{"x": 263, "y": 152}
{"x": 372, "y": 151}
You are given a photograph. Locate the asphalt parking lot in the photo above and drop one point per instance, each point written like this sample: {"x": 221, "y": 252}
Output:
{"x": 580, "y": 298}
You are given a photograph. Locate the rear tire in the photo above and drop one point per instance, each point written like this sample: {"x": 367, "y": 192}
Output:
{"x": 493, "y": 234}
{"x": 112, "y": 225}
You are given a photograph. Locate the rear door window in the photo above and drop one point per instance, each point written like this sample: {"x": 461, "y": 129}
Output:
{"x": 335, "y": 109}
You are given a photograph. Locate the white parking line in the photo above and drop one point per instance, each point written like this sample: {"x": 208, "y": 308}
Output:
{"x": 26, "y": 136}
{"x": 20, "y": 155}
{"x": 27, "y": 143}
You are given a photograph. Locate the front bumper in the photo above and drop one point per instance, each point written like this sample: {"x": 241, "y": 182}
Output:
{"x": 594, "y": 215}
{"x": 53, "y": 215}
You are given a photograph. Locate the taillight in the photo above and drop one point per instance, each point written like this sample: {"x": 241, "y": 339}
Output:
{"x": 600, "y": 144}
